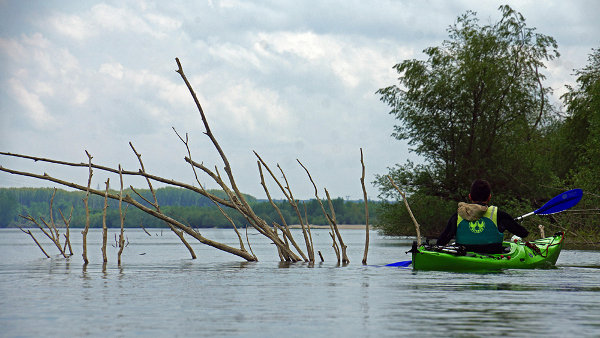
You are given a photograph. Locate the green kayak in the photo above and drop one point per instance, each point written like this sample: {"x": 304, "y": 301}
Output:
{"x": 541, "y": 253}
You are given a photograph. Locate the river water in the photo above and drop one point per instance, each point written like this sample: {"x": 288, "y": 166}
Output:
{"x": 160, "y": 291}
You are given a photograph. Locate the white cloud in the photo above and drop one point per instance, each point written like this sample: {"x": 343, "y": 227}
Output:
{"x": 289, "y": 79}
{"x": 35, "y": 109}
{"x": 73, "y": 26}
{"x": 354, "y": 60}
{"x": 254, "y": 109}
{"x": 115, "y": 70}
{"x": 235, "y": 55}
{"x": 13, "y": 49}
{"x": 104, "y": 18}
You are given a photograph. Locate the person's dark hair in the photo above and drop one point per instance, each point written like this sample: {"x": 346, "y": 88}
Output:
{"x": 480, "y": 190}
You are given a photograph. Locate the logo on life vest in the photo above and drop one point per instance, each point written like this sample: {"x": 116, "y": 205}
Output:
{"x": 477, "y": 226}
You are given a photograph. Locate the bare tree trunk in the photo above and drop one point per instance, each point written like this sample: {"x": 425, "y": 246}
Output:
{"x": 87, "y": 210}
{"x": 104, "y": 228}
{"x": 362, "y": 182}
{"x": 122, "y": 218}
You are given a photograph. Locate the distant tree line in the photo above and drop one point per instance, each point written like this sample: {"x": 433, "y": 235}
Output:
{"x": 182, "y": 204}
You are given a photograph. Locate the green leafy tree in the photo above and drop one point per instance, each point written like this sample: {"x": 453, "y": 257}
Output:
{"x": 472, "y": 108}
{"x": 579, "y": 141}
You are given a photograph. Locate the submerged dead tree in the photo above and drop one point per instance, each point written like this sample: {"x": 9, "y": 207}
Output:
{"x": 362, "y": 183}
{"x": 104, "y": 228}
{"x": 280, "y": 235}
{"x": 87, "y": 209}
{"x": 51, "y": 230}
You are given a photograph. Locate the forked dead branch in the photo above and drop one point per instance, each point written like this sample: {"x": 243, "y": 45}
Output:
{"x": 280, "y": 235}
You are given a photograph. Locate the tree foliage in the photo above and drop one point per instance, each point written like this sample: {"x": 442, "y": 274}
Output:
{"x": 471, "y": 106}
{"x": 476, "y": 108}
{"x": 579, "y": 134}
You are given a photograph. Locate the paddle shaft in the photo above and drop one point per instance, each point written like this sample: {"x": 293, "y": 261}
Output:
{"x": 526, "y": 215}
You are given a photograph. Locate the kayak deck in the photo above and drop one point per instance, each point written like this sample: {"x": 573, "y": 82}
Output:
{"x": 539, "y": 254}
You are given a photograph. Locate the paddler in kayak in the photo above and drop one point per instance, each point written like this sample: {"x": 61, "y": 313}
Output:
{"x": 479, "y": 227}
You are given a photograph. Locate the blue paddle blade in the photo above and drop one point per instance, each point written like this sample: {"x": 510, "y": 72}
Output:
{"x": 402, "y": 264}
{"x": 561, "y": 202}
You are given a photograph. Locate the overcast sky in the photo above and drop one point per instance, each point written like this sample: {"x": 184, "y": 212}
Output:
{"x": 287, "y": 79}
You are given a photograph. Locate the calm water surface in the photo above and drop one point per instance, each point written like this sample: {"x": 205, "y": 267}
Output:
{"x": 160, "y": 291}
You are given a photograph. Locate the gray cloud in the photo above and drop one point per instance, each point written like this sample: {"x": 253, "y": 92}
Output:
{"x": 291, "y": 80}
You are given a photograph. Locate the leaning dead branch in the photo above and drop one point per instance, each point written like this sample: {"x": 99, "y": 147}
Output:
{"x": 35, "y": 240}
{"x": 362, "y": 183}
{"x": 146, "y": 231}
{"x": 48, "y": 233}
{"x": 237, "y": 199}
{"x": 408, "y": 208}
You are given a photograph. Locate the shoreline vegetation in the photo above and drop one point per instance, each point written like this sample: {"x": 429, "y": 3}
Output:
{"x": 199, "y": 213}
{"x": 197, "y": 210}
